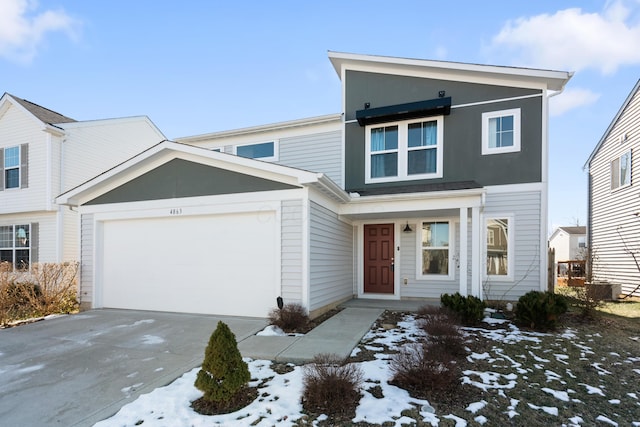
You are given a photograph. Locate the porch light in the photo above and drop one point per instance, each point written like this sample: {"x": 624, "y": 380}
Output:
{"x": 407, "y": 228}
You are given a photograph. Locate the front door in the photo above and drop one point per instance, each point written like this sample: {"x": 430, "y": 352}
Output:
{"x": 378, "y": 258}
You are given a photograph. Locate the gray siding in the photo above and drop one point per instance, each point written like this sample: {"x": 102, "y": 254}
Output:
{"x": 292, "y": 252}
{"x": 321, "y": 152}
{"x": 87, "y": 266}
{"x": 525, "y": 208}
{"x": 613, "y": 219}
{"x": 331, "y": 258}
{"x": 462, "y": 145}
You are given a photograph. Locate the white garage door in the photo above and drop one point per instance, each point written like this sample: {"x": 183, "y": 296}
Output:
{"x": 219, "y": 264}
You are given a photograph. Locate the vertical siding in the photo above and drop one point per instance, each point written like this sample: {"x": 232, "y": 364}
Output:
{"x": 613, "y": 219}
{"x": 291, "y": 247}
{"x": 331, "y": 258}
{"x": 87, "y": 265}
{"x": 525, "y": 208}
{"x": 320, "y": 152}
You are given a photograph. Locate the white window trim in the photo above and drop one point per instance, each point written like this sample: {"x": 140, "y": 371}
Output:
{"x": 486, "y": 150}
{"x": 18, "y": 168}
{"x": 618, "y": 158}
{"x": 451, "y": 248}
{"x": 15, "y": 248}
{"x": 403, "y": 149}
{"x": 274, "y": 158}
{"x": 510, "y": 248}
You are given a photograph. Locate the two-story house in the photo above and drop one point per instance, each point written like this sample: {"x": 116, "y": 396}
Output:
{"x": 43, "y": 153}
{"x": 569, "y": 243}
{"x": 432, "y": 180}
{"x": 613, "y": 223}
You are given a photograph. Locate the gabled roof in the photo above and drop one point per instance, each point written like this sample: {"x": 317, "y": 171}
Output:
{"x": 576, "y": 230}
{"x": 626, "y": 102}
{"x": 525, "y": 77}
{"x": 43, "y": 114}
{"x": 165, "y": 151}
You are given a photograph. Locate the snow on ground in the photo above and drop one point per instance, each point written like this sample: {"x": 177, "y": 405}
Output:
{"x": 279, "y": 400}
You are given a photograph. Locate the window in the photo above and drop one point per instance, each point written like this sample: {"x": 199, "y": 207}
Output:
{"x": 15, "y": 241}
{"x": 621, "y": 171}
{"x": 404, "y": 150}
{"x": 262, "y": 151}
{"x": 499, "y": 246}
{"x": 12, "y": 167}
{"x": 435, "y": 249}
{"x": 501, "y": 131}
{"x": 582, "y": 242}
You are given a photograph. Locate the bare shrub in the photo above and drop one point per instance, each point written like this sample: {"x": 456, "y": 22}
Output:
{"x": 331, "y": 386}
{"x": 292, "y": 317}
{"x": 442, "y": 330}
{"x": 44, "y": 289}
{"x": 426, "y": 370}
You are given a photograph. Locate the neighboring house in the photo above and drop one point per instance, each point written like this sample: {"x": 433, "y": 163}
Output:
{"x": 43, "y": 153}
{"x": 432, "y": 180}
{"x": 569, "y": 243}
{"x": 614, "y": 199}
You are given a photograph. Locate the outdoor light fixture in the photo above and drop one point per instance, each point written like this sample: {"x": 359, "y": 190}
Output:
{"x": 407, "y": 228}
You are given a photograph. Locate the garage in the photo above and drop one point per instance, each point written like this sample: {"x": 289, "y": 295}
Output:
{"x": 215, "y": 264}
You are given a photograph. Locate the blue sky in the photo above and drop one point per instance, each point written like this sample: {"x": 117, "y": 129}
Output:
{"x": 201, "y": 66}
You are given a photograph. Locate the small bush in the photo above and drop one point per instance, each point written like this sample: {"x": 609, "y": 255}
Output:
{"x": 224, "y": 375}
{"x": 442, "y": 330}
{"x": 540, "y": 310}
{"x": 292, "y": 317}
{"x": 470, "y": 308}
{"x": 331, "y": 387}
{"x": 426, "y": 371}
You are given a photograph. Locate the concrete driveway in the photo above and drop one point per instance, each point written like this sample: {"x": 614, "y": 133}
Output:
{"x": 77, "y": 370}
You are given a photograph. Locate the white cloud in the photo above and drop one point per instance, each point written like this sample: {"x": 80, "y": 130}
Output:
{"x": 23, "y": 28}
{"x": 571, "y": 98}
{"x": 574, "y": 40}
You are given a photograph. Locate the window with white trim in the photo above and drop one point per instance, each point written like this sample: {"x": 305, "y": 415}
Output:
{"x": 501, "y": 131}
{"x": 499, "y": 246}
{"x": 15, "y": 245}
{"x": 621, "y": 170}
{"x": 435, "y": 251}
{"x": 404, "y": 150}
{"x": 12, "y": 167}
{"x": 263, "y": 151}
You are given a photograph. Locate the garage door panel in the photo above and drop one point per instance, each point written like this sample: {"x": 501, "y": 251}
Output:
{"x": 219, "y": 264}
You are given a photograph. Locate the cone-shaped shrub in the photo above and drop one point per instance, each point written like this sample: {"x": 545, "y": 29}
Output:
{"x": 223, "y": 373}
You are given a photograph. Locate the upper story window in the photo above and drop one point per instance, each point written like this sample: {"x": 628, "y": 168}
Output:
{"x": 12, "y": 167}
{"x": 263, "y": 151}
{"x": 15, "y": 245}
{"x": 404, "y": 150}
{"x": 501, "y": 131}
{"x": 621, "y": 171}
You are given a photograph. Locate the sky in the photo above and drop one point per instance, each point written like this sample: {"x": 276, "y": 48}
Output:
{"x": 199, "y": 66}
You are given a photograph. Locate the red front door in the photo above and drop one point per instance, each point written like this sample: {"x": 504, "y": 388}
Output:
{"x": 378, "y": 258}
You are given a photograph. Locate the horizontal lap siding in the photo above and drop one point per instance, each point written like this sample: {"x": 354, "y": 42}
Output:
{"x": 87, "y": 265}
{"x": 331, "y": 258}
{"x": 613, "y": 221}
{"x": 525, "y": 208}
{"x": 319, "y": 152}
{"x": 291, "y": 276}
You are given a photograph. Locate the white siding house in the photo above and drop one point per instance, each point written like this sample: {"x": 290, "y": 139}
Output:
{"x": 42, "y": 154}
{"x": 614, "y": 200}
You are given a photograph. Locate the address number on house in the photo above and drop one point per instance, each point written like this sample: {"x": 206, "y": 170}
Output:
{"x": 175, "y": 211}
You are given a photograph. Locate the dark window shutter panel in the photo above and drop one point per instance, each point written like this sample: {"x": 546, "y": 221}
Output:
{"x": 1, "y": 169}
{"x": 24, "y": 166}
{"x": 35, "y": 242}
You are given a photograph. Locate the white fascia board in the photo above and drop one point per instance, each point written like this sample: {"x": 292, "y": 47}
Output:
{"x": 113, "y": 121}
{"x": 455, "y": 71}
{"x": 311, "y": 121}
{"x": 9, "y": 100}
{"x": 436, "y": 200}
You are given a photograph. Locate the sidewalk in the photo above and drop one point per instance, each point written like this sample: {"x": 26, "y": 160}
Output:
{"x": 338, "y": 335}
